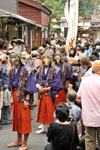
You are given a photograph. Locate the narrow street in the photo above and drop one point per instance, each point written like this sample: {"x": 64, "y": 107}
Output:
{"x": 50, "y": 53}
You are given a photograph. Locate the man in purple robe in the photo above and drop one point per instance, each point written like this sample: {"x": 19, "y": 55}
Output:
{"x": 47, "y": 84}
{"x": 22, "y": 84}
{"x": 65, "y": 75}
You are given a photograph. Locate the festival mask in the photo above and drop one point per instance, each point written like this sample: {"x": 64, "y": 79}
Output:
{"x": 24, "y": 57}
{"x": 57, "y": 59}
{"x": 46, "y": 61}
{"x": 23, "y": 60}
{"x": 14, "y": 59}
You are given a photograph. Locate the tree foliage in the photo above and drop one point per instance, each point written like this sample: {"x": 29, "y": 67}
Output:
{"x": 86, "y": 7}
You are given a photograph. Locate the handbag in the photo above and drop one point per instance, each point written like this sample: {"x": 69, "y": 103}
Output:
{"x": 72, "y": 137}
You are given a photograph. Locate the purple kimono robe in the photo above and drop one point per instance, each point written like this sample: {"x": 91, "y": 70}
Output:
{"x": 53, "y": 82}
{"x": 14, "y": 78}
{"x": 65, "y": 73}
{"x": 26, "y": 84}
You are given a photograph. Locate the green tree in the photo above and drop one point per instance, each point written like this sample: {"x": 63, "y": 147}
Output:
{"x": 86, "y": 7}
{"x": 57, "y": 7}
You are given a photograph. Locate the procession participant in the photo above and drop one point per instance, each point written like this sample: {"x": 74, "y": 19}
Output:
{"x": 22, "y": 85}
{"x": 36, "y": 59}
{"x": 65, "y": 75}
{"x": 47, "y": 84}
{"x": 26, "y": 90}
{"x": 13, "y": 85}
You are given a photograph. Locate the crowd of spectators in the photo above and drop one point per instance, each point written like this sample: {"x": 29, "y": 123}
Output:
{"x": 85, "y": 62}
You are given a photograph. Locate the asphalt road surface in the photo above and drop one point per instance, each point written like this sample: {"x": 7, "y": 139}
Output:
{"x": 35, "y": 142}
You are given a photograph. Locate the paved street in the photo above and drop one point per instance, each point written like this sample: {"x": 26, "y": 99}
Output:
{"x": 35, "y": 142}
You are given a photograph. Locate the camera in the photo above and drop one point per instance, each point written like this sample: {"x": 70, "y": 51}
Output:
{"x": 76, "y": 64}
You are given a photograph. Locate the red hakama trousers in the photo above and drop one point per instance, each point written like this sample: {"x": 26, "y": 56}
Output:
{"x": 61, "y": 97}
{"x": 21, "y": 118}
{"x": 45, "y": 110}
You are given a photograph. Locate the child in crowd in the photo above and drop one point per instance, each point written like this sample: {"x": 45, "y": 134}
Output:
{"x": 62, "y": 135}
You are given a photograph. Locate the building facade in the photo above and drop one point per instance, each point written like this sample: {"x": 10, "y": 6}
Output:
{"x": 39, "y": 13}
{"x": 25, "y": 19}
